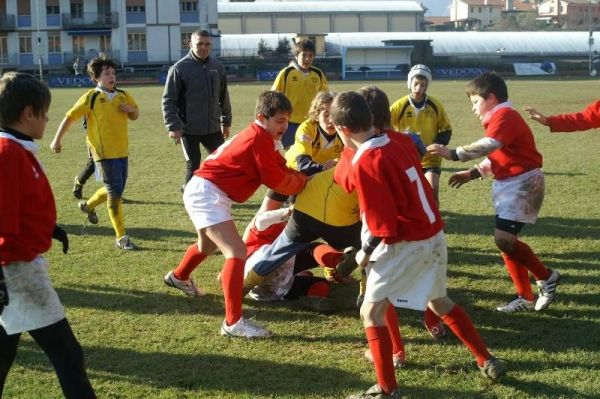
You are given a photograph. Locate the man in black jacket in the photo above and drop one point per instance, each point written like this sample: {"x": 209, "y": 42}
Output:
{"x": 195, "y": 102}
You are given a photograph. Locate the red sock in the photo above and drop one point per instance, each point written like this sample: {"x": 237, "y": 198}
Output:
{"x": 393, "y": 326}
{"x": 381, "y": 349}
{"x": 320, "y": 288}
{"x": 519, "y": 276}
{"x": 326, "y": 255}
{"x": 430, "y": 319}
{"x": 232, "y": 281}
{"x": 192, "y": 258}
{"x": 461, "y": 325}
{"x": 525, "y": 257}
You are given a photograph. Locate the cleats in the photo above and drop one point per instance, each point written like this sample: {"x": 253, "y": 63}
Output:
{"x": 125, "y": 244}
{"x": 437, "y": 331}
{"x": 493, "y": 369}
{"x": 375, "y": 392}
{"x": 91, "y": 214}
{"x": 519, "y": 304}
{"x": 188, "y": 286}
{"x": 547, "y": 288}
{"x": 77, "y": 189}
{"x": 347, "y": 263}
{"x": 398, "y": 358}
{"x": 244, "y": 329}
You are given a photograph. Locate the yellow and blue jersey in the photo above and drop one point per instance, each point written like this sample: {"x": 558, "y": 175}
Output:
{"x": 300, "y": 88}
{"x": 311, "y": 141}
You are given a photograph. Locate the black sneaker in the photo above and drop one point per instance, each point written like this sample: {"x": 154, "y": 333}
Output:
{"x": 493, "y": 368}
{"x": 77, "y": 189}
{"x": 91, "y": 215}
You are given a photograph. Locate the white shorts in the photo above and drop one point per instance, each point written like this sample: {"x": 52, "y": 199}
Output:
{"x": 206, "y": 203}
{"x": 519, "y": 198}
{"x": 409, "y": 273}
{"x": 33, "y": 303}
{"x": 279, "y": 282}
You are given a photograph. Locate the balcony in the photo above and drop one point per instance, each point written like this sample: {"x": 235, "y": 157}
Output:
{"x": 7, "y": 23}
{"x": 85, "y": 57}
{"x": 91, "y": 20}
{"x": 9, "y": 60}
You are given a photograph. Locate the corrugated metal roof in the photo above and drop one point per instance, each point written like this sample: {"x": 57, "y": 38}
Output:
{"x": 319, "y": 7}
{"x": 444, "y": 43}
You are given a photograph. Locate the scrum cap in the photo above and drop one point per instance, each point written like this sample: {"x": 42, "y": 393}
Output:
{"x": 421, "y": 70}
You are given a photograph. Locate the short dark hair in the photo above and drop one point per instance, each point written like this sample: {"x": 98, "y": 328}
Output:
{"x": 271, "y": 102}
{"x": 95, "y": 66}
{"x": 201, "y": 33}
{"x": 304, "y": 45}
{"x": 350, "y": 109}
{"x": 487, "y": 83}
{"x": 380, "y": 106}
{"x": 19, "y": 90}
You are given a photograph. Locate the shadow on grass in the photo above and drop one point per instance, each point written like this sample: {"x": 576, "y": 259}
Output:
{"x": 146, "y": 233}
{"x": 204, "y": 372}
{"x": 563, "y": 228}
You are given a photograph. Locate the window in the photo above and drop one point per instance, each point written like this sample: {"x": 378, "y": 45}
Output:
{"x": 4, "y": 49}
{"x": 23, "y": 8}
{"x": 189, "y": 6}
{"x": 479, "y": 9}
{"x": 52, "y": 7}
{"x": 76, "y": 8}
{"x": 135, "y": 6}
{"x": 136, "y": 41}
{"x": 25, "y": 44}
{"x": 186, "y": 38}
{"x": 53, "y": 42}
{"x": 104, "y": 43}
{"x": 472, "y": 10}
{"x": 78, "y": 44}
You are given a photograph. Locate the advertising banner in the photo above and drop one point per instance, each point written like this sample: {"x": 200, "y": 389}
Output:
{"x": 535, "y": 68}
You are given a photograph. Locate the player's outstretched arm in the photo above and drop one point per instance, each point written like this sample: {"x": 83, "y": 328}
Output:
{"x": 440, "y": 150}
{"x": 535, "y": 115}
{"x": 64, "y": 127}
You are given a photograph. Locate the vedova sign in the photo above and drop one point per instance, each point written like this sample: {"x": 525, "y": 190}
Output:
{"x": 466, "y": 72}
{"x": 266, "y": 75}
{"x": 69, "y": 81}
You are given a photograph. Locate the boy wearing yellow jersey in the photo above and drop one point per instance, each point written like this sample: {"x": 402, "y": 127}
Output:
{"x": 300, "y": 82}
{"x": 420, "y": 113}
{"x": 106, "y": 110}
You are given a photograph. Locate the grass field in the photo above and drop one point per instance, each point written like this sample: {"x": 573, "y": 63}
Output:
{"x": 144, "y": 340}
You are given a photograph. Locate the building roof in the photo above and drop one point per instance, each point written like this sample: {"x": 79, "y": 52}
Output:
{"x": 319, "y": 7}
{"x": 437, "y": 20}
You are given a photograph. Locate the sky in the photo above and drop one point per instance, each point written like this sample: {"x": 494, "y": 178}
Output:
{"x": 436, "y": 7}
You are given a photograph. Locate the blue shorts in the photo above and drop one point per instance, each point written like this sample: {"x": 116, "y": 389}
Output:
{"x": 114, "y": 175}
{"x": 289, "y": 136}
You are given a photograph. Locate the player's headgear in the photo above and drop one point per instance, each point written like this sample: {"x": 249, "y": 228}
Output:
{"x": 421, "y": 70}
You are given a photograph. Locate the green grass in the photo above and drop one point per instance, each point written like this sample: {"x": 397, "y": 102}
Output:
{"x": 144, "y": 340}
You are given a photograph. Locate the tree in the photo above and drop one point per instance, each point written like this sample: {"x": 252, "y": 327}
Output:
{"x": 263, "y": 49}
{"x": 283, "y": 47}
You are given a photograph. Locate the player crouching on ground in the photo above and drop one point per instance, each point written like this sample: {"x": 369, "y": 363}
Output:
{"x": 233, "y": 173}
{"x": 398, "y": 209}
{"x": 512, "y": 159}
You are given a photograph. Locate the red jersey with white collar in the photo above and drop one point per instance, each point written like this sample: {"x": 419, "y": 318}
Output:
{"x": 27, "y": 208}
{"x": 518, "y": 153}
{"x": 240, "y": 165}
{"x": 395, "y": 199}
{"x": 257, "y": 238}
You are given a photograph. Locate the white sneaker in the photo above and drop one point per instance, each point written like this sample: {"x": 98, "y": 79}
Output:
{"x": 547, "y": 288}
{"x": 520, "y": 304}
{"x": 125, "y": 244}
{"x": 245, "y": 329}
{"x": 187, "y": 286}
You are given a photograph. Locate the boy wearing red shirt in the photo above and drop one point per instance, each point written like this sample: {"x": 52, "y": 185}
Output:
{"x": 587, "y": 119}
{"x": 28, "y": 303}
{"x": 511, "y": 157}
{"x": 233, "y": 173}
{"x": 401, "y": 220}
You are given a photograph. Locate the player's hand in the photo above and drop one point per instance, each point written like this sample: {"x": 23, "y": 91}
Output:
{"x": 55, "y": 146}
{"x": 329, "y": 164}
{"x": 459, "y": 178}
{"x": 61, "y": 235}
{"x": 362, "y": 259}
{"x": 175, "y": 135}
{"x": 441, "y": 150}
{"x": 126, "y": 108}
{"x": 225, "y": 130}
{"x": 536, "y": 115}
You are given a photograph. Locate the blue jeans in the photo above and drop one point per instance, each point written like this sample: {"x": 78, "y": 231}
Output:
{"x": 278, "y": 253}
{"x": 114, "y": 175}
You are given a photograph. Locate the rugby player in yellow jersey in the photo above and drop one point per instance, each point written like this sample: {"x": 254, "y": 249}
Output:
{"x": 106, "y": 110}
{"x": 300, "y": 82}
{"x": 424, "y": 115}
